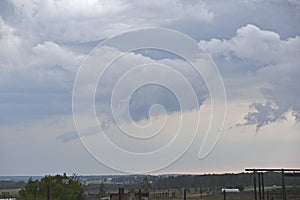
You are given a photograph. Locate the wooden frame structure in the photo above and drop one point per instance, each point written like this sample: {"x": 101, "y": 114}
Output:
{"x": 261, "y": 187}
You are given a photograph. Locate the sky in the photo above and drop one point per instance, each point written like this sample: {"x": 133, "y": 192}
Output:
{"x": 58, "y": 112}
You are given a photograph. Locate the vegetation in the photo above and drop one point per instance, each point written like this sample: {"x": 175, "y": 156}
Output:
{"x": 145, "y": 185}
{"x": 209, "y": 185}
{"x": 102, "y": 192}
{"x": 60, "y": 187}
{"x": 212, "y": 181}
{"x": 12, "y": 184}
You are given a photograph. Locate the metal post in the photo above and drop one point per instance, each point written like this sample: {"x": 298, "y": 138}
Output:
{"x": 268, "y": 195}
{"x": 120, "y": 191}
{"x": 201, "y": 192}
{"x": 48, "y": 192}
{"x": 283, "y": 185}
{"x": 224, "y": 194}
{"x": 254, "y": 184}
{"x": 184, "y": 194}
{"x": 263, "y": 186}
{"x": 259, "y": 186}
{"x": 140, "y": 194}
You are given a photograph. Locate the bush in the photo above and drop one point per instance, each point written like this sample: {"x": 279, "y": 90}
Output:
{"x": 61, "y": 187}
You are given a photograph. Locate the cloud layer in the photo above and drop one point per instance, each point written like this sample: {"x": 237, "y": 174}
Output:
{"x": 274, "y": 66}
{"x": 255, "y": 44}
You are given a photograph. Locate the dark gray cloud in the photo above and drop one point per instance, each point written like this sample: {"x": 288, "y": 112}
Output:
{"x": 264, "y": 114}
{"x": 55, "y": 64}
{"x": 42, "y": 43}
{"x": 35, "y": 81}
{"x": 146, "y": 96}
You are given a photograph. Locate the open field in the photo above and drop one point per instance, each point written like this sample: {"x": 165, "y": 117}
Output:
{"x": 12, "y": 192}
{"x": 215, "y": 197}
{"x": 174, "y": 187}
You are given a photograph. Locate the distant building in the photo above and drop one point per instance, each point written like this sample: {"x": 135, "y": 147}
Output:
{"x": 230, "y": 190}
{"x": 108, "y": 180}
{"x": 8, "y": 199}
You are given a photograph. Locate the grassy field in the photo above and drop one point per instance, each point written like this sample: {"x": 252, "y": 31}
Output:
{"x": 13, "y": 192}
{"x": 210, "y": 197}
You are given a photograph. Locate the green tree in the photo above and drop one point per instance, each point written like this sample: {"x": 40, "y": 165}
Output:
{"x": 102, "y": 192}
{"x": 145, "y": 184}
{"x": 61, "y": 187}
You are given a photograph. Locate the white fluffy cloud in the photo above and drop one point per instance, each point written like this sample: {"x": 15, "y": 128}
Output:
{"x": 73, "y": 21}
{"x": 8, "y": 39}
{"x": 295, "y": 3}
{"x": 9, "y": 42}
{"x": 29, "y": 75}
{"x": 258, "y": 46}
{"x": 51, "y": 54}
{"x": 274, "y": 65}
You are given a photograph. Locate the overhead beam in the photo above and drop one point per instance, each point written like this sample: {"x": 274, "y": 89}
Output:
{"x": 271, "y": 170}
{"x": 259, "y": 171}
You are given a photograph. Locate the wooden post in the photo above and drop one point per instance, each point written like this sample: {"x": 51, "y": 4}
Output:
{"x": 283, "y": 185}
{"x": 140, "y": 194}
{"x": 48, "y": 192}
{"x": 120, "y": 191}
{"x": 201, "y": 192}
{"x": 254, "y": 184}
{"x": 259, "y": 186}
{"x": 263, "y": 186}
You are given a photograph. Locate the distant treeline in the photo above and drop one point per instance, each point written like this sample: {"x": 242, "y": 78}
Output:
{"x": 220, "y": 180}
{"x": 209, "y": 181}
{"x": 12, "y": 184}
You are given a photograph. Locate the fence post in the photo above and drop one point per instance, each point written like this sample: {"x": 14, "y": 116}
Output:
{"x": 263, "y": 186}
{"x": 254, "y": 184}
{"x": 120, "y": 191}
{"x": 201, "y": 192}
{"x": 48, "y": 192}
{"x": 140, "y": 194}
{"x": 259, "y": 186}
{"x": 283, "y": 185}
